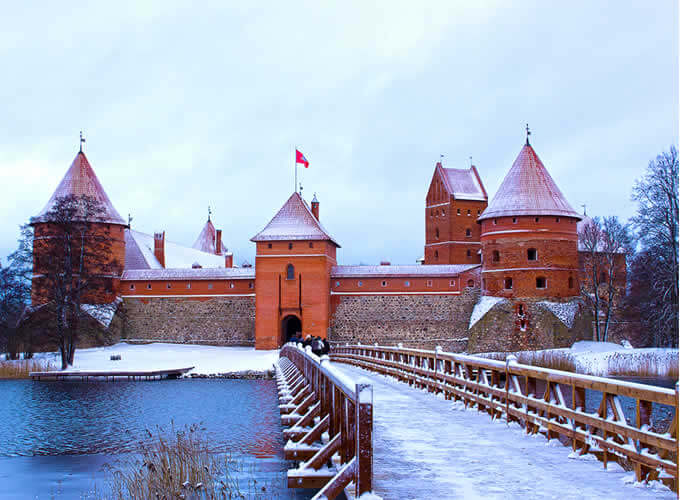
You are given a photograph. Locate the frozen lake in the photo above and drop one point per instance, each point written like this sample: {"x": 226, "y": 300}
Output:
{"x": 58, "y": 438}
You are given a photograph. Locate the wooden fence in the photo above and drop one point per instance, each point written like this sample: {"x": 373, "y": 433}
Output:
{"x": 330, "y": 424}
{"x": 542, "y": 400}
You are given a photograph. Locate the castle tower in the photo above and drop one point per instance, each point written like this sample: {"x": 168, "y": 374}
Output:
{"x": 455, "y": 199}
{"x": 293, "y": 261}
{"x": 80, "y": 180}
{"x": 529, "y": 235}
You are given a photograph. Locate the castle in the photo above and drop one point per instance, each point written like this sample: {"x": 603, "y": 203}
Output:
{"x": 502, "y": 275}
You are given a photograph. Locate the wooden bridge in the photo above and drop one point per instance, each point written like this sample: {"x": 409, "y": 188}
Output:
{"x": 424, "y": 450}
{"x": 329, "y": 421}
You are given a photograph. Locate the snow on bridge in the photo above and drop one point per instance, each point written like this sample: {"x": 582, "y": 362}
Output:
{"x": 427, "y": 447}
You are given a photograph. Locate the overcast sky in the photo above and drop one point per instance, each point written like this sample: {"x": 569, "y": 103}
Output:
{"x": 186, "y": 105}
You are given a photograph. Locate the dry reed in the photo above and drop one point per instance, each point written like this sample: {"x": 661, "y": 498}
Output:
{"x": 22, "y": 367}
{"x": 182, "y": 466}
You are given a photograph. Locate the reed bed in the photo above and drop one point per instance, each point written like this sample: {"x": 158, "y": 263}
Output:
{"x": 20, "y": 368}
{"x": 181, "y": 465}
{"x": 622, "y": 363}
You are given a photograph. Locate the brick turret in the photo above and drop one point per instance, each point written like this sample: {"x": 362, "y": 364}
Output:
{"x": 159, "y": 247}
{"x": 529, "y": 235}
{"x": 455, "y": 199}
{"x": 80, "y": 180}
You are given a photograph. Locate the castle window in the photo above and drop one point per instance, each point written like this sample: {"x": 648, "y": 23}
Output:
{"x": 514, "y": 220}
{"x": 532, "y": 254}
{"x": 210, "y": 286}
{"x": 468, "y": 212}
{"x": 269, "y": 245}
{"x": 290, "y": 246}
{"x": 431, "y": 212}
{"x": 168, "y": 285}
{"x": 436, "y": 232}
{"x": 508, "y": 284}
{"x": 337, "y": 284}
{"x": 495, "y": 222}
{"x": 231, "y": 284}
{"x": 469, "y": 253}
{"x": 557, "y": 219}
{"x": 479, "y": 212}
{"x": 436, "y": 255}
{"x": 496, "y": 256}
{"x": 251, "y": 284}
{"x": 407, "y": 283}
{"x": 428, "y": 283}
{"x": 603, "y": 277}
{"x": 290, "y": 272}
{"x": 468, "y": 232}
{"x": 148, "y": 286}
{"x": 188, "y": 286}
{"x": 384, "y": 283}
{"x": 132, "y": 286}
{"x": 458, "y": 211}
{"x": 520, "y": 310}
{"x": 541, "y": 282}
{"x": 452, "y": 283}
{"x": 470, "y": 283}
{"x": 311, "y": 245}
{"x": 360, "y": 283}
{"x": 536, "y": 219}
{"x": 571, "y": 282}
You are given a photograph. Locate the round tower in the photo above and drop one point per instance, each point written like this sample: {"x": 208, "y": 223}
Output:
{"x": 529, "y": 235}
{"x": 105, "y": 232}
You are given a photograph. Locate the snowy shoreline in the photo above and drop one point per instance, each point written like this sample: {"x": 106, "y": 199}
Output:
{"x": 208, "y": 361}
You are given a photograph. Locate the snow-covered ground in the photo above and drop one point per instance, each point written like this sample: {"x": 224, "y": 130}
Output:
{"x": 428, "y": 447}
{"x": 206, "y": 360}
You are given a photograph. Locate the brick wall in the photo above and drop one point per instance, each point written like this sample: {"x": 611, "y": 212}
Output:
{"x": 218, "y": 321}
{"x": 424, "y": 321}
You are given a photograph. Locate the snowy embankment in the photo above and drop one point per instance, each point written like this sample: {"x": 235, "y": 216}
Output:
{"x": 206, "y": 360}
{"x": 602, "y": 359}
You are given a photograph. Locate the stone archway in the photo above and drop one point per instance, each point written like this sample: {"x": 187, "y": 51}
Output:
{"x": 290, "y": 325}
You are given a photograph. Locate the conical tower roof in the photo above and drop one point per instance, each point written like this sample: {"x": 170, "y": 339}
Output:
{"x": 294, "y": 221}
{"x": 80, "y": 180}
{"x": 528, "y": 189}
{"x": 207, "y": 238}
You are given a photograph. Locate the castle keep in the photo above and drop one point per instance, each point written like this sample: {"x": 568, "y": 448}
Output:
{"x": 502, "y": 275}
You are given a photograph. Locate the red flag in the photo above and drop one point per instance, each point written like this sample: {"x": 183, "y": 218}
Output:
{"x": 300, "y": 158}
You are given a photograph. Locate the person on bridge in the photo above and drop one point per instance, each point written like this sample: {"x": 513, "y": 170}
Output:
{"x": 318, "y": 346}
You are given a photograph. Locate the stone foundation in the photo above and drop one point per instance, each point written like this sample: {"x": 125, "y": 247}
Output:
{"x": 500, "y": 328}
{"x": 422, "y": 321}
{"x": 227, "y": 321}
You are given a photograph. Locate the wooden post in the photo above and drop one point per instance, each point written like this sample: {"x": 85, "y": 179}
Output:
{"x": 364, "y": 438}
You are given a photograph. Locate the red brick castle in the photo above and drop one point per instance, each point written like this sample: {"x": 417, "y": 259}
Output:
{"x": 502, "y": 275}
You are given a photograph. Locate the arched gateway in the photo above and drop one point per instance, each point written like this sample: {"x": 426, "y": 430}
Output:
{"x": 290, "y": 325}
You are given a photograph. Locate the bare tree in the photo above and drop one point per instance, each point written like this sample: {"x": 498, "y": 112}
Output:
{"x": 73, "y": 265}
{"x": 656, "y": 225}
{"x": 14, "y": 296}
{"x": 605, "y": 243}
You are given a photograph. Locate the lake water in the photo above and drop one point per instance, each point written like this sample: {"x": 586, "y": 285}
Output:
{"x": 58, "y": 438}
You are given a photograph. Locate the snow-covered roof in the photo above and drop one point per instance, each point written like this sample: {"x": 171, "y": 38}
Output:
{"x": 80, "y": 180}
{"x": 464, "y": 184}
{"x": 415, "y": 270}
{"x": 139, "y": 249}
{"x": 207, "y": 238}
{"x": 223, "y": 273}
{"x": 294, "y": 221}
{"x": 528, "y": 189}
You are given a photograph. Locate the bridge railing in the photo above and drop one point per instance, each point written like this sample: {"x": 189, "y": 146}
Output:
{"x": 328, "y": 416}
{"x": 543, "y": 400}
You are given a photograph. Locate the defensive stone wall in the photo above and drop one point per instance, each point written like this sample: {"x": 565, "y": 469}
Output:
{"x": 506, "y": 327}
{"x": 419, "y": 321}
{"x": 214, "y": 321}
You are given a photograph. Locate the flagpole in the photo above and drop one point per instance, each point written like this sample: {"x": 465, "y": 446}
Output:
{"x": 296, "y": 170}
